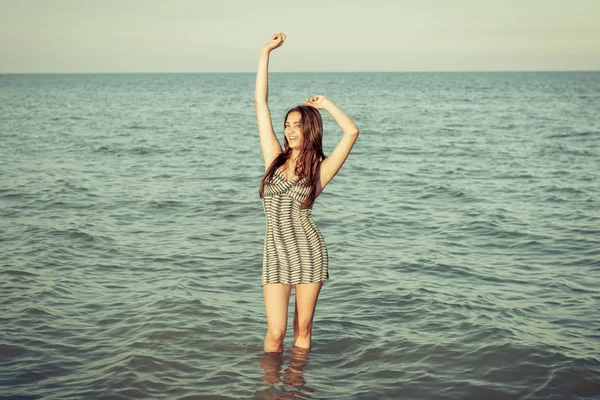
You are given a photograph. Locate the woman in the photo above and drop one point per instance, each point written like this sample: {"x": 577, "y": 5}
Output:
{"x": 294, "y": 250}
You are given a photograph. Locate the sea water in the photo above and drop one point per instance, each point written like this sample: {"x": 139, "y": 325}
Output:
{"x": 463, "y": 234}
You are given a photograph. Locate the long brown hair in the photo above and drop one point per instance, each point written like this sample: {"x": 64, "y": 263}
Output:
{"x": 311, "y": 153}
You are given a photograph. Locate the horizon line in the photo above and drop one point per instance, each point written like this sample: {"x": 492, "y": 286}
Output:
{"x": 301, "y": 72}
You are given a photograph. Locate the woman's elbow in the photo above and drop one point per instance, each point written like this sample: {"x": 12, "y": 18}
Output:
{"x": 352, "y": 132}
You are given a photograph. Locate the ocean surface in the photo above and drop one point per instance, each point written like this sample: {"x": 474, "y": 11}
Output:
{"x": 463, "y": 234}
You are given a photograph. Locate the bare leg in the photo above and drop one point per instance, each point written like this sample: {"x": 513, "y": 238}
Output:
{"x": 306, "y": 303}
{"x": 271, "y": 363}
{"x": 277, "y": 300}
{"x": 294, "y": 374}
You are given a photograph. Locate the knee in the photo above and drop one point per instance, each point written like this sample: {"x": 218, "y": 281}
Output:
{"x": 275, "y": 335}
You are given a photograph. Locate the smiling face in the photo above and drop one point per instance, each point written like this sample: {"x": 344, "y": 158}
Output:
{"x": 293, "y": 130}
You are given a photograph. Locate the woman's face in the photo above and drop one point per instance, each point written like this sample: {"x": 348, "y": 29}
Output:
{"x": 293, "y": 130}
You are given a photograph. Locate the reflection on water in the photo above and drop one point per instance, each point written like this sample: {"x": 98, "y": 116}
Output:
{"x": 271, "y": 363}
{"x": 291, "y": 383}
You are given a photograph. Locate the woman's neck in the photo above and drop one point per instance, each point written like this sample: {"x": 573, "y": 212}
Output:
{"x": 292, "y": 161}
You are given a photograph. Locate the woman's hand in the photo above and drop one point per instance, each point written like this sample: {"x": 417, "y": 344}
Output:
{"x": 276, "y": 41}
{"x": 319, "y": 102}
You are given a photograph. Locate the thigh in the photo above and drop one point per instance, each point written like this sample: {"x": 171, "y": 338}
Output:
{"x": 306, "y": 302}
{"x": 277, "y": 299}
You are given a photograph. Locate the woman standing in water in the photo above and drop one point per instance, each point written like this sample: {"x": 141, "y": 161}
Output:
{"x": 294, "y": 249}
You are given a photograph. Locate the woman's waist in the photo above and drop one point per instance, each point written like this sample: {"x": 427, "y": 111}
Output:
{"x": 283, "y": 213}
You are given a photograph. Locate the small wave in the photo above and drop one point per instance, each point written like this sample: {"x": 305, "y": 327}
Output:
{"x": 514, "y": 175}
{"x": 74, "y": 234}
{"x": 137, "y": 127}
{"x": 103, "y": 149}
{"x": 144, "y": 150}
{"x": 163, "y": 204}
{"x": 9, "y": 351}
{"x": 592, "y": 134}
{"x": 564, "y": 189}
{"x": 20, "y": 273}
{"x": 525, "y": 244}
{"x": 435, "y": 191}
{"x": 36, "y": 312}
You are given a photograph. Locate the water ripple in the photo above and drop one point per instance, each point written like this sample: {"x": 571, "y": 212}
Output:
{"x": 462, "y": 233}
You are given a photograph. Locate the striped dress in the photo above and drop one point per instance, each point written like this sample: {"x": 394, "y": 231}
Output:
{"x": 294, "y": 250}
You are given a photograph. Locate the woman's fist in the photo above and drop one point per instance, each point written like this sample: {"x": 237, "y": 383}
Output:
{"x": 318, "y": 102}
{"x": 276, "y": 41}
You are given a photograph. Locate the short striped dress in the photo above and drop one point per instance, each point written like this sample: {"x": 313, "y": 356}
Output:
{"x": 294, "y": 250}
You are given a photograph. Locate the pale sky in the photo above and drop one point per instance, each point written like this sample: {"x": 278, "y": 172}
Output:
{"x": 87, "y": 36}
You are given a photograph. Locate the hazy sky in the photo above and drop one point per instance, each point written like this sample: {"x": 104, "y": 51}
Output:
{"x": 325, "y": 35}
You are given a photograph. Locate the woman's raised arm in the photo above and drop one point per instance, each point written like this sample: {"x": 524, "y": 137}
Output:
{"x": 332, "y": 164}
{"x": 271, "y": 147}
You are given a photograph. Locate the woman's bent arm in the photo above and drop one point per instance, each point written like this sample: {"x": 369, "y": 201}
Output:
{"x": 332, "y": 164}
{"x": 268, "y": 140}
